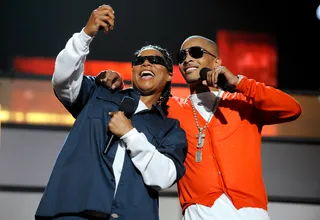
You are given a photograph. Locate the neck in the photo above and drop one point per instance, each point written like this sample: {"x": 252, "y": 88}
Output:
{"x": 150, "y": 100}
{"x": 197, "y": 88}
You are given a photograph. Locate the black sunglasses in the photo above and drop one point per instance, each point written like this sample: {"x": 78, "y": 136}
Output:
{"x": 152, "y": 59}
{"x": 194, "y": 52}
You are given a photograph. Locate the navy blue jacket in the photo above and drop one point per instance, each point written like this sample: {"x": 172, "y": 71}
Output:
{"x": 82, "y": 180}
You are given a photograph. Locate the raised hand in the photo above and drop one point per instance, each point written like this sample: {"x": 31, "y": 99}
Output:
{"x": 212, "y": 77}
{"x": 101, "y": 17}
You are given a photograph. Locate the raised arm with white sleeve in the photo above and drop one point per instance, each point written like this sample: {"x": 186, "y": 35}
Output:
{"x": 69, "y": 67}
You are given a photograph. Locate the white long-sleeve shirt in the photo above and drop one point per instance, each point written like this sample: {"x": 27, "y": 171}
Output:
{"x": 67, "y": 80}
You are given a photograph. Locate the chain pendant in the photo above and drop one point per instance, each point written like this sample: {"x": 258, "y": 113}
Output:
{"x": 198, "y": 155}
{"x": 200, "y": 137}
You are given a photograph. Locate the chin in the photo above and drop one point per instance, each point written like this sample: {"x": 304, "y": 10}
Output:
{"x": 146, "y": 92}
{"x": 191, "y": 79}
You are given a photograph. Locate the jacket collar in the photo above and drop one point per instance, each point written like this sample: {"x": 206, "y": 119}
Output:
{"x": 136, "y": 95}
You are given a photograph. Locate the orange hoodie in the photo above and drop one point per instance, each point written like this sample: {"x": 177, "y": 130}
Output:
{"x": 231, "y": 159}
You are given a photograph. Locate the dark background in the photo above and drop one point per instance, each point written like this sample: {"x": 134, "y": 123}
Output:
{"x": 41, "y": 28}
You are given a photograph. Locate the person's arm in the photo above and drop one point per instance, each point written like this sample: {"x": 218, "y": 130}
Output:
{"x": 70, "y": 85}
{"x": 273, "y": 105}
{"x": 160, "y": 167}
{"x": 69, "y": 67}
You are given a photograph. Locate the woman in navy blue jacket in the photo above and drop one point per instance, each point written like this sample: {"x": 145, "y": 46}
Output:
{"x": 147, "y": 151}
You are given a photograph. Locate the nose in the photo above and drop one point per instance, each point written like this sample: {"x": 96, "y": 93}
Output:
{"x": 146, "y": 63}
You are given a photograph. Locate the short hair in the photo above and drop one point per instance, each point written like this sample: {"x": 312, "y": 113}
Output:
{"x": 211, "y": 42}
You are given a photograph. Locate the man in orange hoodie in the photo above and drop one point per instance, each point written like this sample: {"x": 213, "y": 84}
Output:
{"x": 223, "y": 123}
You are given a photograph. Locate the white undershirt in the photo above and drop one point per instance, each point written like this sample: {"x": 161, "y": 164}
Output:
{"x": 222, "y": 209}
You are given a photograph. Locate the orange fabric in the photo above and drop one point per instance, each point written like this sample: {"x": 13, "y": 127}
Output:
{"x": 231, "y": 161}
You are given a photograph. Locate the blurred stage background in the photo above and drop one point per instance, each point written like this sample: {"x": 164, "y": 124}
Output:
{"x": 275, "y": 42}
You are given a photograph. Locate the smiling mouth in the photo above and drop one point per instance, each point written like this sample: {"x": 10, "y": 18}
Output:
{"x": 190, "y": 69}
{"x": 146, "y": 74}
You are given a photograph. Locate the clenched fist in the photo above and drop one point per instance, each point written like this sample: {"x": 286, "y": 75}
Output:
{"x": 119, "y": 124}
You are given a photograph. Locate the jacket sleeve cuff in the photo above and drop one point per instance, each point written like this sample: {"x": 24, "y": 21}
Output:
{"x": 130, "y": 135}
{"x": 241, "y": 83}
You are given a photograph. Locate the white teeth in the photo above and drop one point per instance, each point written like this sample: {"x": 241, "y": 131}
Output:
{"x": 146, "y": 73}
{"x": 191, "y": 69}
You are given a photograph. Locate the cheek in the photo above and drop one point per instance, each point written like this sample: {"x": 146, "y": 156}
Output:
{"x": 180, "y": 68}
{"x": 161, "y": 85}
{"x": 208, "y": 63}
{"x": 134, "y": 69}
{"x": 135, "y": 72}
{"x": 164, "y": 80}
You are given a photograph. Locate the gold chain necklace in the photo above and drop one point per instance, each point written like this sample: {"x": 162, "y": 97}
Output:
{"x": 201, "y": 135}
